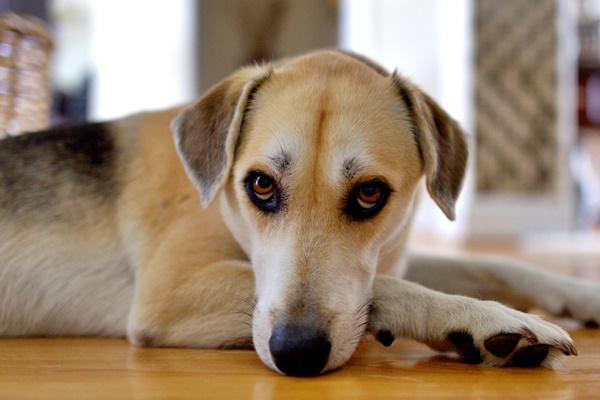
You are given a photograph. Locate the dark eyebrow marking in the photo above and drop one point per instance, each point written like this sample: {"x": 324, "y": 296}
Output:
{"x": 351, "y": 168}
{"x": 282, "y": 161}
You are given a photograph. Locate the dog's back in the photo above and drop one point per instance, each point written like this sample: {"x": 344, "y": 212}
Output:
{"x": 38, "y": 171}
{"x": 58, "y": 194}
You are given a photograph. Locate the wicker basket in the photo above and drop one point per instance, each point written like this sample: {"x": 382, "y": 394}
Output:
{"x": 25, "y": 94}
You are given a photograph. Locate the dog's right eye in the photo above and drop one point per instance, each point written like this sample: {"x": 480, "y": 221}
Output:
{"x": 263, "y": 187}
{"x": 263, "y": 191}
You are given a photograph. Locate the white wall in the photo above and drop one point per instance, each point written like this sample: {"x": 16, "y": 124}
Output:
{"x": 142, "y": 55}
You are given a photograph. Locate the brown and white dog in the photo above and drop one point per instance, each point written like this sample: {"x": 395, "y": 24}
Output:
{"x": 308, "y": 171}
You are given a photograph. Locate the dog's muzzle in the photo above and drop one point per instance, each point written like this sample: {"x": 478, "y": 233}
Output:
{"x": 299, "y": 350}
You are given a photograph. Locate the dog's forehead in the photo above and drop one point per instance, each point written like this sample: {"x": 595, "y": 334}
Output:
{"x": 352, "y": 119}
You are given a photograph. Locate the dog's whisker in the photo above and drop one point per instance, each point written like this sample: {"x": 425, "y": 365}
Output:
{"x": 355, "y": 343}
{"x": 241, "y": 311}
{"x": 361, "y": 330}
{"x": 237, "y": 322}
{"x": 360, "y": 346}
{"x": 246, "y": 324}
{"x": 356, "y": 338}
{"x": 364, "y": 309}
{"x": 365, "y": 306}
{"x": 362, "y": 315}
{"x": 252, "y": 296}
{"x": 238, "y": 312}
{"x": 246, "y": 327}
{"x": 363, "y": 324}
{"x": 251, "y": 302}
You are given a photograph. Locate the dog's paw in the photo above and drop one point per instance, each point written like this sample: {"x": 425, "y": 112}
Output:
{"x": 512, "y": 349}
{"x": 489, "y": 333}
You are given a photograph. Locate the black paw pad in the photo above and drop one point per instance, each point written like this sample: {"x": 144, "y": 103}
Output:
{"x": 385, "y": 337}
{"x": 530, "y": 356}
{"x": 591, "y": 324}
{"x": 502, "y": 344}
{"x": 464, "y": 344}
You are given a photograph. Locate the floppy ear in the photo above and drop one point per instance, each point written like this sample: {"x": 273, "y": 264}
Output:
{"x": 442, "y": 143}
{"x": 206, "y": 133}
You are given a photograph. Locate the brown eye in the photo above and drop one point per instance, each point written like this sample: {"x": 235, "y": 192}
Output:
{"x": 366, "y": 200}
{"x": 263, "y": 192}
{"x": 263, "y": 187}
{"x": 369, "y": 195}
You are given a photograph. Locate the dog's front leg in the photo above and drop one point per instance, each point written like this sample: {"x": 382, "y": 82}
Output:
{"x": 481, "y": 331}
{"x": 511, "y": 282}
{"x": 188, "y": 306}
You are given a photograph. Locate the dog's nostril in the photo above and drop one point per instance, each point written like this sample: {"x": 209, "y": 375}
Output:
{"x": 299, "y": 350}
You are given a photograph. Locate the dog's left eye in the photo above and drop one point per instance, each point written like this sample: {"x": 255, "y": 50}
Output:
{"x": 367, "y": 199}
{"x": 263, "y": 192}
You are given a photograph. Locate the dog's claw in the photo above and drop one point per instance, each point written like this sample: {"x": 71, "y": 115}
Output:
{"x": 568, "y": 349}
{"x": 385, "y": 337}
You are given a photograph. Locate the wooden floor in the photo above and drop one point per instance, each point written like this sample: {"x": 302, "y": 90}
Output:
{"x": 111, "y": 369}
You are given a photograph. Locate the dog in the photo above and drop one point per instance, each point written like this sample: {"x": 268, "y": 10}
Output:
{"x": 308, "y": 171}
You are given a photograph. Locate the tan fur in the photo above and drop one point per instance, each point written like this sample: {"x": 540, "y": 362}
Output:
{"x": 230, "y": 274}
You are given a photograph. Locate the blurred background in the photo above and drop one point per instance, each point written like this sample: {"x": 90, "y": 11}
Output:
{"x": 521, "y": 76}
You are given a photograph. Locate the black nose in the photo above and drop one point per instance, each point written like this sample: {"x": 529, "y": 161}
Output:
{"x": 299, "y": 350}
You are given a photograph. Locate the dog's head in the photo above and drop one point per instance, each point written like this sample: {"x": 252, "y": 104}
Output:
{"x": 317, "y": 160}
